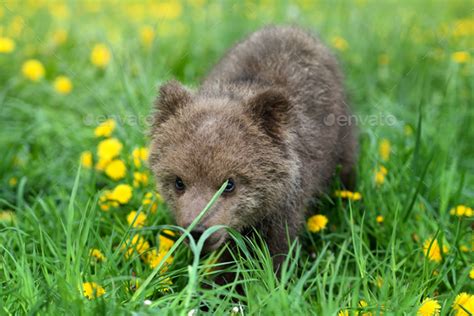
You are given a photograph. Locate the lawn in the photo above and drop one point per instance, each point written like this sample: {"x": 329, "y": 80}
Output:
{"x": 83, "y": 231}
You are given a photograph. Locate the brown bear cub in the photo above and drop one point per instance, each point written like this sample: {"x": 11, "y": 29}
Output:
{"x": 272, "y": 119}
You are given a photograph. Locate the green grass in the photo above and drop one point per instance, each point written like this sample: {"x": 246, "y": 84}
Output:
{"x": 404, "y": 86}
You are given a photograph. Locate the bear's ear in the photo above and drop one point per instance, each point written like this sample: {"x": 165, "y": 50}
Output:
{"x": 172, "y": 96}
{"x": 271, "y": 109}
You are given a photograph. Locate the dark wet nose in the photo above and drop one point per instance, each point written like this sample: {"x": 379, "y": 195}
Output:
{"x": 197, "y": 232}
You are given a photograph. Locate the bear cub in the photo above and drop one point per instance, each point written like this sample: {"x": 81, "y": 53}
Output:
{"x": 271, "y": 118}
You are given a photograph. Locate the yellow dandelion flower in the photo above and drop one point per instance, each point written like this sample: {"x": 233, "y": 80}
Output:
{"x": 106, "y": 201}
{"x": 464, "y": 303}
{"x": 153, "y": 207}
{"x": 379, "y": 219}
{"x": 165, "y": 285}
{"x": 379, "y": 178}
{"x": 109, "y": 148}
{"x": 463, "y": 27}
{"x": 317, "y": 223}
{"x": 148, "y": 200}
{"x": 154, "y": 258}
{"x": 102, "y": 164}
{"x": 100, "y": 55}
{"x": 92, "y": 290}
{"x": 384, "y": 149}
{"x": 140, "y": 178}
{"x": 380, "y": 175}
{"x": 86, "y": 159}
{"x": 137, "y": 244}
{"x": 464, "y": 248}
{"x": 136, "y": 220}
{"x": 7, "y": 216}
{"x": 12, "y": 181}
{"x": 429, "y": 307}
{"x": 62, "y": 85}
{"x": 354, "y": 196}
{"x": 159, "y": 198}
{"x": 147, "y": 34}
{"x": 339, "y": 43}
{"x": 471, "y": 274}
{"x": 116, "y": 169}
{"x": 105, "y": 128}
{"x": 169, "y": 10}
{"x": 432, "y": 250}
{"x": 105, "y": 196}
{"x": 461, "y": 210}
{"x": 454, "y": 210}
{"x": 139, "y": 155}
{"x": 129, "y": 251}
{"x": 7, "y": 45}
{"x": 122, "y": 193}
{"x": 469, "y": 212}
{"x": 164, "y": 242}
{"x": 59, "y": 36}
{"x": 461, "y": 57}
{"x": 97, "y": 254}
{"x": 383, "y": 59}
{"x": 104, "y": 207}
{"x": 59, "y": 11}
{"x": 33, "y": 70}
{"x": 342, "y": 194}
{"x": 379, "y": 281}
{"x": 343, "y": 312}
{"x": 363, "y": 304}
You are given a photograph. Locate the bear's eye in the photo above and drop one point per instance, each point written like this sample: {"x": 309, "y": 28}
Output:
{"x": 230, "y": 185}
{"x": 179, "y": 184}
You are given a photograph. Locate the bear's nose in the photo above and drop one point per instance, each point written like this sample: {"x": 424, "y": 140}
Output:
{"x": 197, "y": 232}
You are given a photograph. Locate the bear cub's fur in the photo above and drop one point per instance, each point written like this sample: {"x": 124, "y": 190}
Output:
{"x": 272, "y": 118}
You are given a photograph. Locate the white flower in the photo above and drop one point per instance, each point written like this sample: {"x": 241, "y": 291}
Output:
{"x": 236, "y": 310}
